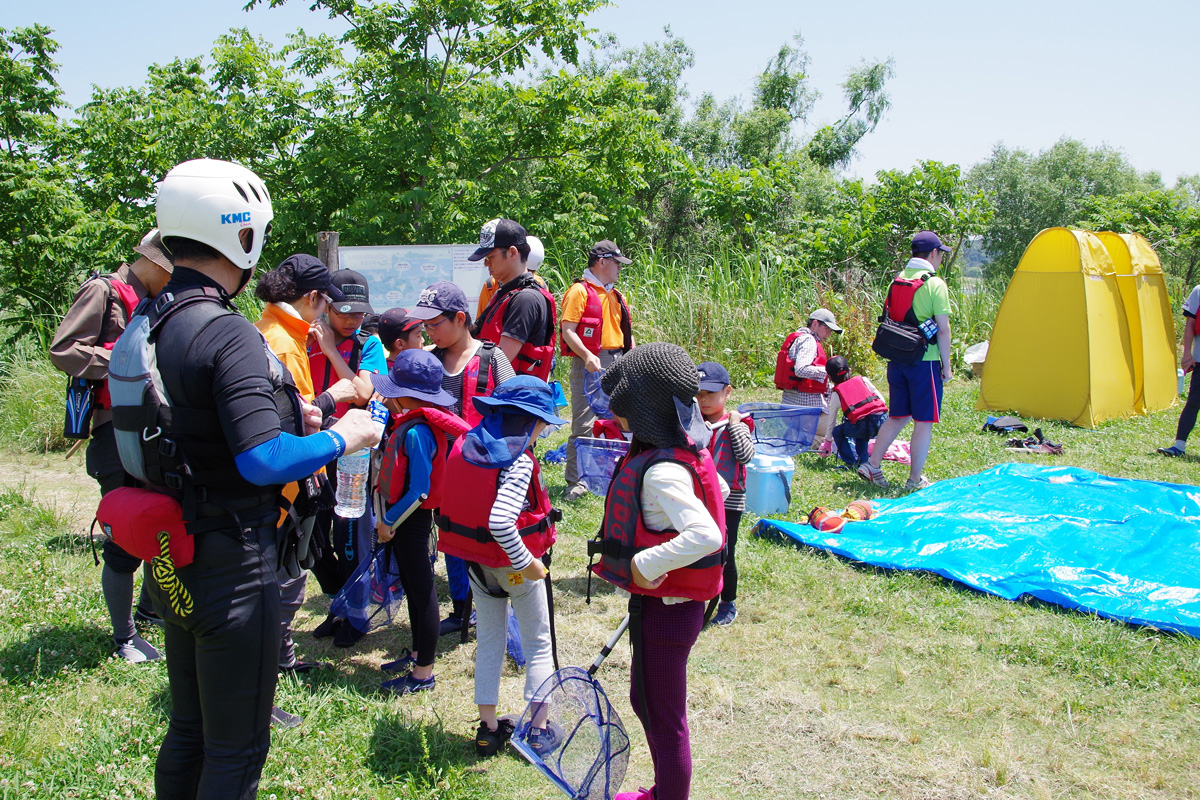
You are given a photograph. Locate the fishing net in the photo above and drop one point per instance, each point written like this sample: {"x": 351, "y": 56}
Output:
{"x": 781, "y": 430}
{"x": 589, "y": 753}
{"x": 372, "y": 597}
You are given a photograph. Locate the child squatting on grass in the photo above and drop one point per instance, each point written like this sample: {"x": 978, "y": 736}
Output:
{"x": 661, "y": 540}
{"x": 863, "y": 413}
{"x": 732, "y": 448}
{"x": 411, "y": 479}
{"x": 501, "y": 524}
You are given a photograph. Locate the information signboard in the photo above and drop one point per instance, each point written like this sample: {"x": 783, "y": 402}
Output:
{"x": 396, "y": 274}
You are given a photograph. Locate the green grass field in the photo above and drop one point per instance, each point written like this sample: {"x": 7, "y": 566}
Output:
{"x": 836, "y": 681}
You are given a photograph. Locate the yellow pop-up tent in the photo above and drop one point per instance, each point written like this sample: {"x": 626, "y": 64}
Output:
{"x": 1060, "y": 345}
{"x": 1148, "y": 313}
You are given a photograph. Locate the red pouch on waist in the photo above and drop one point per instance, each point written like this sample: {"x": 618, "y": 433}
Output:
{"x": 134, "y": 518}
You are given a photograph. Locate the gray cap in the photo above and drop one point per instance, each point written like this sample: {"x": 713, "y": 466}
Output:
{"x": 826, "y": 316}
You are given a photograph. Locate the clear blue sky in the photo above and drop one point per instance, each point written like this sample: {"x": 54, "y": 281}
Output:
{"x": 967, "y": 74}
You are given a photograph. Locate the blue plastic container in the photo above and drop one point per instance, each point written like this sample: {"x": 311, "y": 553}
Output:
{"x": 597, "y": 460}
{"x": 781, "y": 430}
{"x": 560, "y": 397}
{"x": 769, "y": 484}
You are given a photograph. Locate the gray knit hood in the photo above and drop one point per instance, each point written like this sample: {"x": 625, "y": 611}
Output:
{"x": 654, "y": 387}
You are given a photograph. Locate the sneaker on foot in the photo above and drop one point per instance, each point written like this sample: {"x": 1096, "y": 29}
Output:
{"x": 137, "y": 650}
{"x": 1172, "y": 451}
{"x": 640, "y": 794}
{"x": 283, "y": 720}
{"x": 451, "y": 624}
{"x": 488, "y": 742}
{"x": 347, "y": 636}
{"x": 147, "y": 617}
{"x": 407, "y": 684}
{"x": 920, "y": 483}
{"x": 404, "y": 663}
{"x": 873, "y": 474}
{"x": 328, "y": 628}
{"x": 301, "y": 667}
{"x": 575, "y": 492}
{"x": 545, "y": 741}
{"x": 726, "y": 613}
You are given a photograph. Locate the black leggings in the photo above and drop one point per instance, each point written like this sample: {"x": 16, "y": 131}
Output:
{"x": 733, "y": 520}
{"x": 222, "y": 662}
{"x": 1187, "y": 418}
{"x": 410, "y": 547}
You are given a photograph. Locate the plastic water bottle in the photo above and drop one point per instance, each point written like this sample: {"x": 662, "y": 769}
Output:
{"x": 353, "y": 471}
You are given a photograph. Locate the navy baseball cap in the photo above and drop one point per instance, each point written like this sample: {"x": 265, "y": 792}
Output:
{"x": 443, "y": 297}
{"x": 713, "y": 377}
{"x": 395, "y": 323}
{"x": 607, "y": 248}
{"x": 309, "y": 273}
{"x": 502, "y": 233}
{"x": 927, "y": 242}
{"x": 415, "y": 373}
{"x": 523, "y": 394}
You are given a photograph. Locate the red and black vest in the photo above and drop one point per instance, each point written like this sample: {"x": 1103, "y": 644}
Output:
{"x": 728, "y": 467}
{"x": 608, "y": 429}
{"x": 624, "y": 532}
{"x": 591, "y": 322}
{"x": 463, "y": 525}
{"x": 323, "y": 375}
{"x": 531, "y": 360}
{"x": 898, "y": 305}
{"x": 478, "y": 380}
{"x": 858, "y": 401}
{"x": 785, "y": 367}
{"x": 125, "y": 293}
{"x": 393, "y": 471}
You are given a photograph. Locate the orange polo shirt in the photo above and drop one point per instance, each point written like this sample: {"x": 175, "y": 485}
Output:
{"x": 575, "y": 300}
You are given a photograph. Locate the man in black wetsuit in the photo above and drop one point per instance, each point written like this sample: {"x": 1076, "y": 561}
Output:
{"x": 240, "y": 430}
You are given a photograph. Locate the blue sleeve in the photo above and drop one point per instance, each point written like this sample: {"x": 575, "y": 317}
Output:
{"x": 421, "y": 448}
{"x": 288, "y": 458}
{"x": 373, "y": 358}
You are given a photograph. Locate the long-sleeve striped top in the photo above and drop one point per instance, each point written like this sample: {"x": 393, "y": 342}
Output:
{"x": 743, "y": 450}
{"x": 510, "y": 502}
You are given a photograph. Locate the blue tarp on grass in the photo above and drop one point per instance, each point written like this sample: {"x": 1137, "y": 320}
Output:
{"x": 1125, "y": 549}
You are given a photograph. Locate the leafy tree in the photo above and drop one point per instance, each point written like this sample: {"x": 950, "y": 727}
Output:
{"x": 867, "y": 102}
{"x": 1169, "y": 220}
{"x": 1032, "y": 192}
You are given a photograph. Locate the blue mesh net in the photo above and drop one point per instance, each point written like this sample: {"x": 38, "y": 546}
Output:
{"x": 372, "y": 596}
{"x": 596, "y": 398}
{"x": 781, "y": 430}
{"x": 596, "y": 460}
{"x": 589, "y": 751}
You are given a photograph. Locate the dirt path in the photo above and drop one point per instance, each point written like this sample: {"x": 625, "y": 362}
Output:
{"x": 53, "y": 480}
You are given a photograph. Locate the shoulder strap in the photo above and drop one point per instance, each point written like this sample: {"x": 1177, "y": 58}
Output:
{"x": 486, "y": 353}
{"x": 360, "y": 341}
{"x": 626, "y": 322}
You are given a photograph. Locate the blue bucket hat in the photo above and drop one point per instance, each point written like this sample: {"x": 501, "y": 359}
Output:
{"x": 523, "y": 394}
{"x": 415, "y": 373}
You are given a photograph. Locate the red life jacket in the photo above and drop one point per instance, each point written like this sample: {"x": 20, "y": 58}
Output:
{"x": 531, "y": 360}
{"x": 323, "y": 375}
{"x": 785, "y": 367}
{"x": 728, "y": 467}
{"x": 393, "y": 471}
{"x": 858, "y": 401}
{"x": 899, "y": 302}
{"x": 463, "y": 524}
{"x": 591, "y": 322}
{"x": 478, "y": 380}
{"x": 608, "y": 429}
{"x": 128, "y": 297}
{"x": 624, "y": 532}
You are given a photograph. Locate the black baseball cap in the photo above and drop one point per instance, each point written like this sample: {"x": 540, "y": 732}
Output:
{"x": 394, "y": 323}
{"x": 309, "y": 273}
{"x": 443, "y": 297}
{"x": 502, "y": 233}
{"x": 713, "y": 377}
{"x": 356, "y": 296}
{"x": 606, "y": 248}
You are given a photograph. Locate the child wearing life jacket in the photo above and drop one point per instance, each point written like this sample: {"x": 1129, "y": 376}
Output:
{"x": 661, "y": 540}
{"x": 863, "y": 412}
{"x": 731, "y": 448}
{"x": 398, "y": 332}
{"x": 501, "y": 523}
{"x": 409, "y": 488}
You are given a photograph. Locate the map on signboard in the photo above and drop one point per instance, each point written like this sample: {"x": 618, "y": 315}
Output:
{"x": 396, "y": 274}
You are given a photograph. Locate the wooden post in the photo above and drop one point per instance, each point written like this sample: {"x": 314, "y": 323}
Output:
{"x": 327, "y": 249}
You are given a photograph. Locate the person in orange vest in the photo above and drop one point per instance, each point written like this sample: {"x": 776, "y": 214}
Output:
{"x": 863, "y": 412}
{"x": 596, "y": 330}
{"x": 800, "y": 368}
{"x": 81, "y": 348}
{"x": 1191, "y": 348}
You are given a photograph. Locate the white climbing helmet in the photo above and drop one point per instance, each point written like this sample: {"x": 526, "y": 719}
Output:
{"x": 212, "y": 201}
{"x": 537, "y": 253}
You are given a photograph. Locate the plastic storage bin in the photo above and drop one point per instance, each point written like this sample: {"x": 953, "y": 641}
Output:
{"x": 769, "y": 484}
{"x": 781, "y": 430}
{"x": 597, "y": 460}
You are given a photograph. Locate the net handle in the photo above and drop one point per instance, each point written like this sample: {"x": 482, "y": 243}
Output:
{"x": 608, "y": 648}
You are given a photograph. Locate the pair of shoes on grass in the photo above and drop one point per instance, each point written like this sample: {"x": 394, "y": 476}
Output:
{"x": 872, "y": 474}
{"x": 1172, "y": 451}
{"x": 488, "y": 742}
{"x": 406, "y": 684}
{"x": 545, "y": 741}
{"x": 726, "y": 614}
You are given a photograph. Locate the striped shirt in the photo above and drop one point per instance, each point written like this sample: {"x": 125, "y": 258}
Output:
{"x": 510, "y": 502}
{"x": 501, "y": 367}
{"x": 743, "y": 450}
